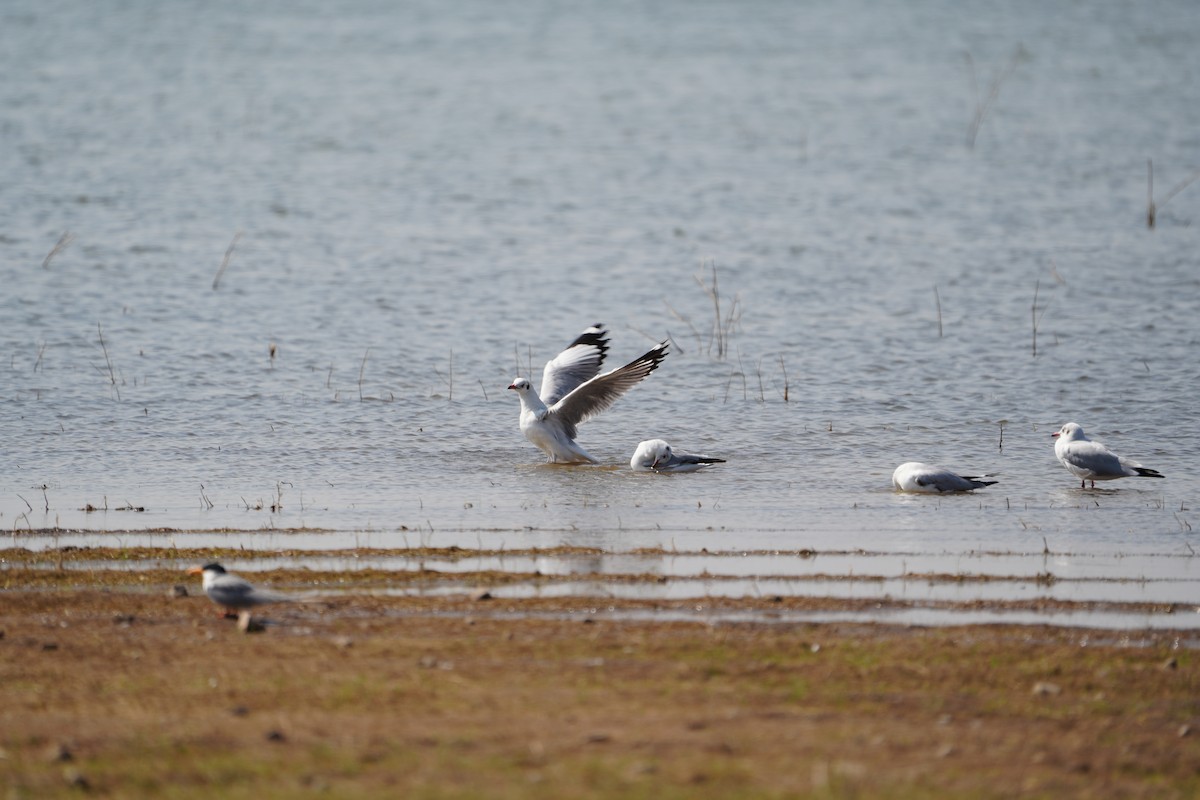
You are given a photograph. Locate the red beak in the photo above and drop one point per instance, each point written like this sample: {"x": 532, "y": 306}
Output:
{"x": 1055, "y": 435}
{"x": 512, "y": 386}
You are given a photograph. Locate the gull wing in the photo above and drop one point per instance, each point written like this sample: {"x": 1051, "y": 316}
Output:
{"x": 597, "y": 394}
{"x": 232, "y": 591}
{"x": 1094, "y": 458}
{"x": 682, "y": 461}
{"x": 578, "y": 363}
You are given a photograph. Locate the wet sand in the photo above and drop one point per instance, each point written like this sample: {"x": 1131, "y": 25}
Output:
{"x": 126, "y": 691}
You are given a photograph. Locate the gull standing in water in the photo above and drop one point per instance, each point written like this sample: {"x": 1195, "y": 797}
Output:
{"x": 574, "y": 391}
{"x": 655, "y": 455}
{"x": 914, "y": 476}
{"x": 1092, "y": 461}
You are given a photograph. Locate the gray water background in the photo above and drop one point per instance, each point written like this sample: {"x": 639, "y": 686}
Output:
{"x": 455, "y": 189}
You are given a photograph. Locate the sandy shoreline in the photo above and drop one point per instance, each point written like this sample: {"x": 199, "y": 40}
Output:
{"x": 125, "y": 691}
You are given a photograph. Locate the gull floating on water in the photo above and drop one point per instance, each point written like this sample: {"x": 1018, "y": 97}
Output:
{"x": 234, "y": 594}
{"x": 574, "y": 391}
{"x": 1092, "y": 461}
{"x": 914, "y": 476}
{"x": 655, "y": 455}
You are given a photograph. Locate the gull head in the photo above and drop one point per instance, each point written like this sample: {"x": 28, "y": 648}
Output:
{"x": 522, "y": 385}
{"x": 1069, "y": 433}
{"x": 650, "y": 454}
{"x": 210, "y": 572}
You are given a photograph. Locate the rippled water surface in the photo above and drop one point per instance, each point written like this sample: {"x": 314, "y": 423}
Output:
{"x": 411, "y": 202}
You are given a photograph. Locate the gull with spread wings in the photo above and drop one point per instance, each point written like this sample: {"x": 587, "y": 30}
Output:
{"x": 574, "y": 391}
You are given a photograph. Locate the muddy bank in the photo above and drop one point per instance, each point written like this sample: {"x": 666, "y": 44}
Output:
{"x": 127, "y": 693}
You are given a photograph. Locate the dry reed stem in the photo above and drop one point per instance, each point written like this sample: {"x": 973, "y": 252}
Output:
{"x": 1151, "y": 206}
{"x": 361, "y": 368}
{"x": 685, "y": 321}
{"x": 938, "y": 299}
{"x": 1035, "y": 316}
{"x": 449, "y": 381}
{"x": 63, "y": 241}
{"x": 112, "y": 376}
{"x": 983, "y": 107}
{"x": 225, "y": 260}
{"x": 722, "y": 325}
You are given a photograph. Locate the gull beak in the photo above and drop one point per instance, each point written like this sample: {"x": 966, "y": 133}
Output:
{"x": 196, "y": 571}
{"x": 1055, "y": 434}
{"x": 512, "y": 386}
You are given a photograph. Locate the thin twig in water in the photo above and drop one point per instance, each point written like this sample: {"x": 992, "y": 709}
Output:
{"x": 361, "y": 368}
{"x": 722, "y": 326}
{"x": 742, "y": 372}
{"x": 983, "y": 106}
{"x": 1035, "y": 316}
{"x": 63, "y": 241}
{"x": 112, "y": 376}
{"x": 483, "y": 389}
{"x": 225, "y": 260}
{"x": 685, "y": 321}
{"x": 937, "y": 298}
{"x": 783, "y": 367}
{"x": 1151, "y": 206}
{"x": 449, "y": 381}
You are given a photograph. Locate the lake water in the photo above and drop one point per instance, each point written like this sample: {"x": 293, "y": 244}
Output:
{"x": 423, "y": 198}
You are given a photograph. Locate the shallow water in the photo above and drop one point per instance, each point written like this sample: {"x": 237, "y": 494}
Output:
{"x": 427, "y": 197}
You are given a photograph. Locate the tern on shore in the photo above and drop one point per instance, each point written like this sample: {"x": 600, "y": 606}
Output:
{"x": 574, "y": 391}
{"x": 914, "y": 476}
{"x": 233, "y": 594}
{"x": 655, "y": 455}
{"x": 1092, "y": 461}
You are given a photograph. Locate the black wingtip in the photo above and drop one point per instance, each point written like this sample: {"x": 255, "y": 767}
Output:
{"x": 655, "y": 355}
{"x": 1146, "y": 472}
{"x": 594, "y": 336}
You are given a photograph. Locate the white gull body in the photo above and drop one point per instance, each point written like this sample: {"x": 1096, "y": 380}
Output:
{"x": 913, "y": 476}
{"x": 1092, "y": 461}
{"x": 573, "y": 391}
{"x": 655, "y": 455}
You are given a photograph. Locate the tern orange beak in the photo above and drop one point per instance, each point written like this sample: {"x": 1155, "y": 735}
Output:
{"x": 195, "y": 571}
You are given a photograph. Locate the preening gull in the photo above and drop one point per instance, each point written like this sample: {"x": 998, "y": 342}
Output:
{"x": 914, "y": 476}
{"x": 655, "y": 455}
{"x": 574, "y": 391}
{"x": 1092, "y": 461}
